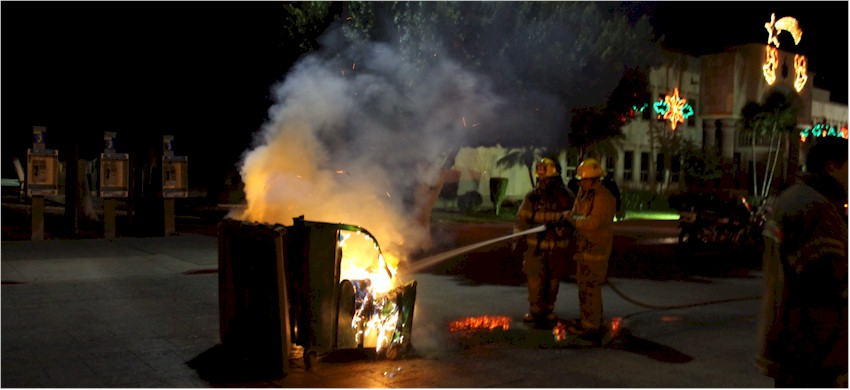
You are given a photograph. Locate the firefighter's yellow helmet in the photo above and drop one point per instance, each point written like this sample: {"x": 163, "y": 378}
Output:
{"x": 589, "y": 169}
{"x": 547, "y": 167}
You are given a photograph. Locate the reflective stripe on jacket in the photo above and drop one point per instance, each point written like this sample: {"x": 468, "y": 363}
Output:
{"x": 803, "y": 323}
{"x": 545, "y": 206}
{"x": 593, "y": 217}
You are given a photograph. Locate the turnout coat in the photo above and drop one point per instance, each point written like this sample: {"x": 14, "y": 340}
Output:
{"x": 803, "y": 324}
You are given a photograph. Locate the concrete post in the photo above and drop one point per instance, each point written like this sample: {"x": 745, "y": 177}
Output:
{"x": 168, "y": 202}
{"x": 727, "y": 148}
{"x": 168, "y": 206}
{"x": 636, "y": 168}
{"x": 37, "y": 218}
{"x": 109, "y": 218}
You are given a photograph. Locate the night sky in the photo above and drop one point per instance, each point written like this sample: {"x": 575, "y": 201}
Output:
{"x": 708, "y": 27}
{"x": 203, "y": 71}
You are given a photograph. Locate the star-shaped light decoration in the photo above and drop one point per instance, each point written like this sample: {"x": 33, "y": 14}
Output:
{"x": 675, "y": 113}
{"x": 772, "y": 31}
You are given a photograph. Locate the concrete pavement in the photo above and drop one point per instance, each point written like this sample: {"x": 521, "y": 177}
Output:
{"x": 133, "y": 312}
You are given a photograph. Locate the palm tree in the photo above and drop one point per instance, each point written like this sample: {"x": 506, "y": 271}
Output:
{"x": 525, "y": 156}
{"x": 777, "y": 117}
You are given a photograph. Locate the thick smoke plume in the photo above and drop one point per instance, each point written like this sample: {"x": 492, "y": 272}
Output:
{"x": 352, "y": 135}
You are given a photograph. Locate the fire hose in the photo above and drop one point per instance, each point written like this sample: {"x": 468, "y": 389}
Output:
{"x": 671, "y": 307}
{"x": 431, "y": 260}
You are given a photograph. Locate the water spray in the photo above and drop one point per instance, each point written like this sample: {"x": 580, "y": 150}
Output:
{"x": 440, "y": 257}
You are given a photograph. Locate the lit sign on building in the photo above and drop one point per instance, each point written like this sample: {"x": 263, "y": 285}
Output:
{"x": 774, "y": 28}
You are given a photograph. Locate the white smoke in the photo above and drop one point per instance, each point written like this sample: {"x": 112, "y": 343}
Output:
{"x": 352, "y": 136}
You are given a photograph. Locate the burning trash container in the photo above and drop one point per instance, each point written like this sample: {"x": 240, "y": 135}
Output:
{"x": 308, "y": 289}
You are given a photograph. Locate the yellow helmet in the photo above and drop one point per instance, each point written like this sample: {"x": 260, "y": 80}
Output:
{"x": 546, "y": 167}
{"x": 589, "y": 169}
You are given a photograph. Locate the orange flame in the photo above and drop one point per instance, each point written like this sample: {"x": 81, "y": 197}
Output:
{"x": 615, "y": 324}
{"x": 480, "y": 323}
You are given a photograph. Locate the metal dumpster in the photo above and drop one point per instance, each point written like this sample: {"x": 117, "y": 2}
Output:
{"x": 285, "y": 291}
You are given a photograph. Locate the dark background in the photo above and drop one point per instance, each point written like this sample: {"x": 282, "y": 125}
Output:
{"x": 203, "y": 71}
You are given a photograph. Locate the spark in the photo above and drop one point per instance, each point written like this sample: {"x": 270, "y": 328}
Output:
{"x": 464, "y": 121}
{"x": 388, "y": 195}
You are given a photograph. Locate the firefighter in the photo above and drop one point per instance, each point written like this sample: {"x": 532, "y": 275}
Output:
{"x": 592, "y": 215}
{"x": 802, "y": 330}
{"x": 545, "y": 254}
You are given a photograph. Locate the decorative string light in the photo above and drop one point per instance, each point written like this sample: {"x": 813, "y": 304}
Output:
{"x": 770, "y": 62}
{"x": 677, "y": 105}
{"x": 823, "y": 130}
{"x": 661, "y": 107}
{"x": 800, "y": 67}
{"x": 774, "y": 28}
{"x": 677, "y": 112}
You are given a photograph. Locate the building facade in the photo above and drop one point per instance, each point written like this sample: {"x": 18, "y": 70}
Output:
{"x": 711, "y": 91}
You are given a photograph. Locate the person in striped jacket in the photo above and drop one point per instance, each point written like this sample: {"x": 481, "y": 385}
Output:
{"x": 546, "y": 254}
{"x": 802, "y": 331}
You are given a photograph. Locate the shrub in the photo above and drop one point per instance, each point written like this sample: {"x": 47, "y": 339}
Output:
{"x": 469, "y": 201}
{"x": 643, "y": 200}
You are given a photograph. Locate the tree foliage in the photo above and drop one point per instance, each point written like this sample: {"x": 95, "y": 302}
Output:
{"x": 699, "y": 165}
{"x": 599, "y": 129}
{"x": 776, "y": 118}
{"x": 305, "y": 21}
{"x": 526, "y": 157}
{"x": 572, "y": 53}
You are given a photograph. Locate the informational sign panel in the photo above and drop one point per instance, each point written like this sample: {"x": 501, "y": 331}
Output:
{"x": 175, "y": 177}
{"x": 42, "y": 172}
{"x": 114, "y": 175}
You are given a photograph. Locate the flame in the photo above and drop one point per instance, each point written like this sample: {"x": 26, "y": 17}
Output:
{"x": 362, "y": 259}
{"x": 480, "y": 323}
{"x": 616, "y": 322}
{"x": 560, "y": 331}
{"x": 376, "y": 314}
